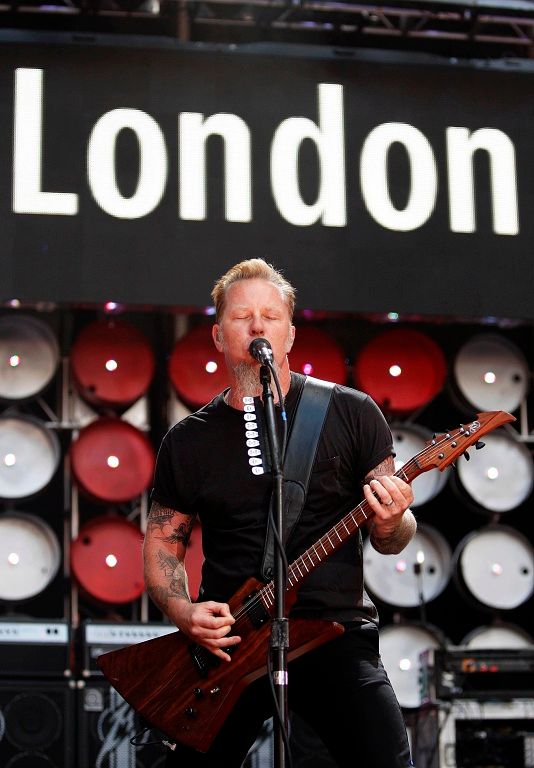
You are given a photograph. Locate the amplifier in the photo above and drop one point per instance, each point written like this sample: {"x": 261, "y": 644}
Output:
{"x": 101, "y": 637}
{"x": 34, "y": 648}
{"x": 452, "y": 673}
{"x": 464, "y": 733}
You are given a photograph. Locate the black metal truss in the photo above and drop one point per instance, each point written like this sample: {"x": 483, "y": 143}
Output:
{"x": 495, "y": 27}
{"x": 510, "y": 25}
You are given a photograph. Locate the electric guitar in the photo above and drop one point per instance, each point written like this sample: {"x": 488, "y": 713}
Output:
{"x": 185, "y": 691}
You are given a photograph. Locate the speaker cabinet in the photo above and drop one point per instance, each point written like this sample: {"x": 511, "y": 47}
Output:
{"x": 36, "y": 724}
{"x": 105, "y": 726}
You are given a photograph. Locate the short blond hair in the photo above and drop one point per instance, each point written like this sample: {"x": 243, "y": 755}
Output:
{"x": 252, "y": 269}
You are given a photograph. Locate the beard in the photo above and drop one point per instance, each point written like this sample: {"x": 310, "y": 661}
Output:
{"x": 247, "y": 373}
{"x": 247, "y": 379}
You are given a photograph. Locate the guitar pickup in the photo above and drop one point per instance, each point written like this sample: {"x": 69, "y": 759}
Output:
{"x": 204, "y": 660}
{"x": 257, "y": 615}
{"x": 201, "y": 659}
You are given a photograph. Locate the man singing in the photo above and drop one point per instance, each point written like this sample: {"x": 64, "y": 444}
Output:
{"x": 205, "y": 470}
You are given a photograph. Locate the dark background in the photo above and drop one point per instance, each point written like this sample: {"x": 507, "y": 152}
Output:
{"x": 164, "y": 261}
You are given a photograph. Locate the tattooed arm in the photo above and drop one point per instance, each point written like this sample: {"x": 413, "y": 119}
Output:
{"x": 167, "y": 535}
{"x": 393, "y": 524}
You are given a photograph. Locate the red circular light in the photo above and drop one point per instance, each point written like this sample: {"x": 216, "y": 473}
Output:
{"x": 421, "y": 376}
{"x": 316, "y": 353}
{"x": 112, "y": 364}
{"x": 193, "y": 375}
{"x": 99, "y": 538}
{"x": 112, "y": 460}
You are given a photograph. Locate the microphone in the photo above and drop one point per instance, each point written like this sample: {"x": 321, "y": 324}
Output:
{"x": 261, "y": 350}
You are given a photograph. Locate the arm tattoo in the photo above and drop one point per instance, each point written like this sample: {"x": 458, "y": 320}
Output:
{"x": 181, "y": 534}
{"x": 386, "y": 467}
{"x": 176, "y": 575}
{"x": 175, "y": 572}
{"x": 173, "y": 530}
{"x": 161, "y": 517}
{"x": 398, "y": 539}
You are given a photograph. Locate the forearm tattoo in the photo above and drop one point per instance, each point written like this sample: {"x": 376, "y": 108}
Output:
{"x": 397, "y": 539}
{"x": 167, "y": 526}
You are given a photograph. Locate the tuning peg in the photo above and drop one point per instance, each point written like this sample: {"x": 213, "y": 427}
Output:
{"x": 467, "y": 456}
{"x": 479, "y": 445}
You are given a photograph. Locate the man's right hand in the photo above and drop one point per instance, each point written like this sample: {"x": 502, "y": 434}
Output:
{"x": 207, "y": 624}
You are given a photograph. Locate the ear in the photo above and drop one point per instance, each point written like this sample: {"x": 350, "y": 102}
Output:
{"x": 290, "y": 339}
{"x": 216, "y": 335}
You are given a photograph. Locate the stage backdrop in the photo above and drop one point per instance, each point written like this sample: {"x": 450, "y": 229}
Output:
{"x": 137, "y": 170}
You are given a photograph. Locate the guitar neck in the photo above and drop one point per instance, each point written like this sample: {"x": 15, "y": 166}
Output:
{"x": 437, "y": 454}
{"x": 333, "y": 539}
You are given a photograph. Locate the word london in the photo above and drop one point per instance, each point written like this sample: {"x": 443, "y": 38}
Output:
{"x": 327, "y": 136}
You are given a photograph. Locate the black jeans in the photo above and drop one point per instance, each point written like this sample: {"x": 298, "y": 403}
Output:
{"x": 341, "y": 690}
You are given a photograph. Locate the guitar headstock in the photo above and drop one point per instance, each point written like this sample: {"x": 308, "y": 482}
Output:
{"x": 445, "y": 448}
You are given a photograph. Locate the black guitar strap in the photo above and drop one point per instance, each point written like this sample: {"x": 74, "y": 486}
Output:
{"x": 300, "y": 454}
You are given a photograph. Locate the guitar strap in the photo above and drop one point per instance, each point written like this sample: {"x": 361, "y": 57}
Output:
{"x": 301, "y": 449}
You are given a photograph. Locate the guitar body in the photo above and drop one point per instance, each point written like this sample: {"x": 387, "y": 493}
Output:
{"x": 188, "y": 697}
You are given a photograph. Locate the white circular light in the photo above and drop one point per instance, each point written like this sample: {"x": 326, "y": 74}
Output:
{"x": 496, "y": 566}
{"x": 501, "y": 477}
{"x": 491, "y": 373}
{"x": 393, "y": 316}
{"x": 111, "y": 561}
{"x": 10, "y": 459}
{"x": 111, "y": 365}
{"x": 394, "y": 579}
{"x": 420, "y": 556}
{"x": 30, "y": 556}
{"x": 307, "y": 369}
{"x": 395, "y": 370}
{"x": 110, "y": 306}
{"x": 113, "y": 462}
{"x": 400, "y": 648}
{"x": 14, "y": 361}
{"x": 211, "y": 366}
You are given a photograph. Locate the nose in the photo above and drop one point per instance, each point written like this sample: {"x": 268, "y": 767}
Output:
{"x": 256, "y": 325}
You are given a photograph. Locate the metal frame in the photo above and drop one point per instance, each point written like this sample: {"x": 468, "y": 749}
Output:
{"x": 504, "y": 28}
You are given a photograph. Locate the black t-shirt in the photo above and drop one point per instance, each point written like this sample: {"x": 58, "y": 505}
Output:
{"x": 205, "y": 468}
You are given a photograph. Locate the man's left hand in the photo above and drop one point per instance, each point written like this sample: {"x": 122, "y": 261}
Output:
{"x": 389, "y": 497}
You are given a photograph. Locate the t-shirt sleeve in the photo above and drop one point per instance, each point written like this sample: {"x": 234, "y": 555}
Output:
{"x": 170, "y": 476}
{"x": 374, "y": 437}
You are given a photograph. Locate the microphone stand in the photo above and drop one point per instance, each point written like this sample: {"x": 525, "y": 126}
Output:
{"x": 279, "y": 642}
